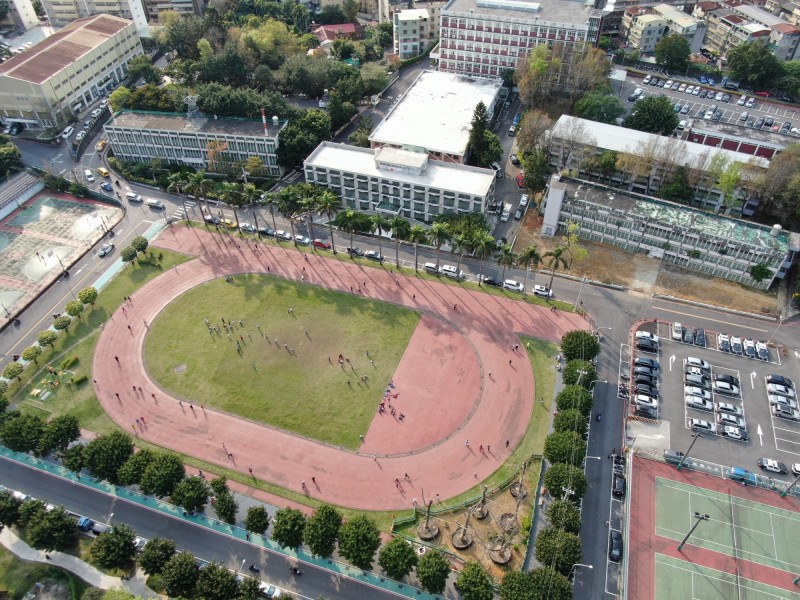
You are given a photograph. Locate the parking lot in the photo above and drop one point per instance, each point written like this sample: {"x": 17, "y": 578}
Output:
{"x": 714, "y": 387}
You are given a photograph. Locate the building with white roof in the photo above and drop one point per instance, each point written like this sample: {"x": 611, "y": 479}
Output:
{"x": 393, "y": 182}
{"x": 435, "y": 114}
{"x": 645, "y": 26}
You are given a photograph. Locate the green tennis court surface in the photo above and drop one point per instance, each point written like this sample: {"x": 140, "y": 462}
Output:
{"x": 740, "y": 528}
{"x": 682, "y": 580}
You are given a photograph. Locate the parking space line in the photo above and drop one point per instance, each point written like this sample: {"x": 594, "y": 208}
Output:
{"x": 686, "y": 314}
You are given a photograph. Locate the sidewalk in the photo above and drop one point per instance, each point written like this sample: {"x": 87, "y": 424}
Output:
{"x": 136, "y": 585}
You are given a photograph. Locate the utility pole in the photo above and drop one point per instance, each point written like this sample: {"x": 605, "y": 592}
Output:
{"x": 699, "y": 518}
{"x": 697, "y": 436}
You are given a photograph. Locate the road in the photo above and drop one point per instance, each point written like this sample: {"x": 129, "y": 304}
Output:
{"x": 202, "y": 542}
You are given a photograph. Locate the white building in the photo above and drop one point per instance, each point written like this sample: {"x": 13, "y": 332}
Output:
{"x": 20, "y": 15}
{"x": 435, "y": 115}
{"x": 414, "y": 32}
{"x": 141, "y": 136}
{"x": 399, "y": 182}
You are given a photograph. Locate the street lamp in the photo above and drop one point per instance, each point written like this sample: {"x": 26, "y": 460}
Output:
{"x": 572, "y": 570}
{"x": 241, "y": 565}
{"x": 591, "y": 383}
{"x": 697, "y": 436}
{"x": 789, "y": 487}
{"x": 699, "y": 518}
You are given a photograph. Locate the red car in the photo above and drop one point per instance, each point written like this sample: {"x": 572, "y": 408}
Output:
{"x": 763, "y": 94}
{"x": 322, "y": 244}
{"x": 521, "y": 180}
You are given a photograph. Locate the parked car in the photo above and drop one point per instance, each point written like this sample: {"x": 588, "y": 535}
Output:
{"x": 647, "y": 346}
{"x": 302, "y": 240}
{"x": 702, "y": 425}
{"x": 283, "y": 235}
{"x": 650, "y": 363}
{"x": 781, "y": 390}
{"x": 374, "y": 255}
{"x": 543, "y": 291}
{"x": 515, "y": 160}
{"x": 725, "y": 388}
{"x": 780, "y": 380}
{"x": 267, "y": 231}
{"x": 697, "y": 391}
{"x": 355, "y": 251}
{"x": 318, "y": 243}
{"x": 762, "y": 351}
{"x": 646, "y": 335}
{"x": 734, "y": 433}
{"x": 697, "y": 362}
{"x": 644, "y": 370}
{"x": 513, "y": 285}
{"x": 728, "y": 408}
{"x": 106, "y": 186}
{"x": 736, "y": 345}
{"x": 772, "y": 465}
{"x": 699, "y": 403}
{"x": 614, "y": 546}
{"x": 783, "y": 411}
{"x": 724, "y": 342}
{"x": 677, "y": 331}
{"x": 699, "y": 338}
{"x": 688, "y": 335}
{"x": 618, "y": 488}
{"x": 726, "y": 378}
{"x": 789, "y": 402}
{"x": 518, "y": 214}
{"x": 247, "y": 228}
{"x": 491, "y": 281}
{"x": 733, "y": 420}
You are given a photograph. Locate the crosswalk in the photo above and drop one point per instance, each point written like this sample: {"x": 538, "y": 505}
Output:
{"x": 180, "y": 213}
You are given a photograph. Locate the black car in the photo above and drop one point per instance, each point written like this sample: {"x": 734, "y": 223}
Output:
{"x": 618, "y": 489}
{"x": 355, "y": 251}
{"x": 646, "y": 362}
{"x": 647, "y": 390}
{"x": 646, "y": 380}
{"x": 688, "y": 335}
{"x": 780, "y": 380}
{"x": 727, "y": 378}
{"x": 699, "y": 338}
{"x": 615, "y": 546}
{"x": 268, "y": 231}
{"x": 107, "y": 186}
{"x": 515, "y": 160}
{"x": 491, "y": 281}
{"x": 647, "y": 346}
{"x": 646, "y": 371}
{"x": 648, "y": 412}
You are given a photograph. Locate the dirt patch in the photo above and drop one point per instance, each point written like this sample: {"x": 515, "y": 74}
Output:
{"x": 638, "y": 272}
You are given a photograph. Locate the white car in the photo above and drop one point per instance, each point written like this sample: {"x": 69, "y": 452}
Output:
{"x": 723, "y": 387}
{"x": 303, "y": 240}
{"x": 283, "y": 235}
{"x": 772, "y": 465}
{"x": 749, "y": 348}
{"x": 268, "y": 590}
{"x": 96, "y": 113}
{"x": 677, "y": 331}
{"x": 642, "y": 400}
{"x": 790, "y": 402}
{"x": 523, "y": 200}
{"x": 736, "y": 344}
{"x": 702, "y": 425}
{"x": 727, "y": 407}
{"x": 696, "y": 391}
{"x": 780, "y": 390}
{"x": 646, "y": 335}
{"x": 795, "y": 468}
{"x": 543, "y": 291}
{"x": 734, "y": 433}
{"x": 699, "y": 403}
{"x": 696, "y": 362}
{"x": 80, "y": 136}
{"x": 782, "y": 411}
{"x": 733, "y": 420}
{"x": 513, "y": 285}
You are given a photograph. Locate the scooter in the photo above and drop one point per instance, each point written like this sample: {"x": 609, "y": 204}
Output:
{"x": 254, "y": 569}
{"x": 598, "y": 417}
{"x": 295, "y": 571}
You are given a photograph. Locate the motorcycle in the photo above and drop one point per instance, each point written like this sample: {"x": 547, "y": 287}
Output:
{"x": 254, "y": 569}
{"x": 624, "y": 376}
{"x": 295, "y": 571}
{"x": 598, "y": 417}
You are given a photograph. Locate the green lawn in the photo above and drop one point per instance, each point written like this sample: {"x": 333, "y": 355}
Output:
{"x": 17, "y": 577}
{"x": 301, "y": 392}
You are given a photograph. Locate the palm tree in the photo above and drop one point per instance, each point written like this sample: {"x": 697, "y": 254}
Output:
{"x": 438, "y": 234}
{"x": 231, "y": 196}
{"x": 287, "y": 205}
{"x": 329, "y": 204}
{"x": 554, "y": 259}
{"x": 482, "y": 245}
{"x": 462, "y": 242}
{"x": 400, "y": 228}
{"x": 417, "y": 235}
{"x": 271, "y": 200}
{"x": 250, "y": 197}
{"x": 505, "y": 259}
{"x": 198, "y": 186}
{"x": 379, "y": 224}
{"x": 176, "y": 185}
{"x": 308, "y": 205}
{"x": 529, "y": 256}
{"x": 349, "y": 220}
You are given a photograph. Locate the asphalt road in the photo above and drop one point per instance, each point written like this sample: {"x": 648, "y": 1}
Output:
{"x": 203, "y": 543}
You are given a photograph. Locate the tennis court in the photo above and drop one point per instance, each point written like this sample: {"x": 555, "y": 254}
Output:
{"x": 740, "y": 528}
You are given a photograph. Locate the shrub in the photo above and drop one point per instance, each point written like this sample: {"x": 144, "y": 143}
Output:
{"x": 69, "y": 362}
{"x": 80, "y": 379}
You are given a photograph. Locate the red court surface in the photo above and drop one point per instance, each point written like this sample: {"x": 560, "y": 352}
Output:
{"x": 644, "y": 544}
{"x": 469, "y": 342}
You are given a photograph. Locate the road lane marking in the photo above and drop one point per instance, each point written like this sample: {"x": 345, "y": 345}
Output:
{"x": 686, "y": 314}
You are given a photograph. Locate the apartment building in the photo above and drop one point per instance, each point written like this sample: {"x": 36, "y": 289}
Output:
{"x": 482, "y": 38}
{"x": 183, "y": 7}
{"x": 413, "y": 32}
{"x": 704, "y": 242}
{"x": 60, "y": 12}
{"x": 20, "y": 16}
{"x": 435, "y": 114}
{"x": 390, "y": 181}
{"x": 735, "y": 23}
{"x": 679, "y": 23}
{"x": 788, "y": 10}
{"x": 642, "y": 29}
{"x": 45, "y": 85}
{"x": 202, "y": 143}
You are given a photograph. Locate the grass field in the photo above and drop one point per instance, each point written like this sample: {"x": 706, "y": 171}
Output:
{"x": 306, "y": 391}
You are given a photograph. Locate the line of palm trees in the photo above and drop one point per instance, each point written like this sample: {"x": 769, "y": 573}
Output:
{"x": 302, "y": 201}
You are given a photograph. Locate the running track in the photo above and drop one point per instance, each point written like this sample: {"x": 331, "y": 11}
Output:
{"x": 489, "y": 323}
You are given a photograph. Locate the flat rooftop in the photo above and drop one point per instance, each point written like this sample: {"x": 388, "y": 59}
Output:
{"x": 412, "y": 14}
{"x": 759, "y": 15}
{"x": 675, "y": 15}
{"x": 668, "y": 214}
{"x": 181, "y": 124}
{"x": 53, "y": 54}
{"x": 435, "y": 113}
{"x": 570, "y": 12}
{"x": 445, "y": 176}
{"x": 622, "y": 139}
{"x": 744, "y": 134}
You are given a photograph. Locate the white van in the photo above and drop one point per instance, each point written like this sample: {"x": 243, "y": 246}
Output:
{"x": 451, "y": 271}
{"x": 156, "y": 204}
{"x": 89, "y": 175}
{"x": 506, "y": 214}
{"x": 431, "y": 268}
{"x": 67, "y": 132}
{"x": 133, "y": 197}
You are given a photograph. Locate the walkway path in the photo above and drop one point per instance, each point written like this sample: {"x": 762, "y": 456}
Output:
{"x": 361, "y": 480}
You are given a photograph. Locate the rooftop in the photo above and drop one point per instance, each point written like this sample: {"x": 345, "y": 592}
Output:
{"x": 413, "y": 14}
{"x": 438, "y": 174}
{"x": 758, "y": 14}
{"x": 740, "y": 133}
{"x": 53, "y": 54}
{"x": 435, "y": 113}
{"x": 180, "y": 123}
{"x": 669, "y": 214}
{"x": 676, "y": 16}
{"x": 650, "y": 18}
{"x": 573, "y": 12}
{"x": 786, "y": 28}
{"x": 621, "y": 139}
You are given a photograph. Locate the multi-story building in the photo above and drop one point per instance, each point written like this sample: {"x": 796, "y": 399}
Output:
{"x": 414, "y": 32}
{"x": 393, "y": 182}
{"x": 733, "y": 137}
{"x": 202, "y": 143}
{"x": 727, "y": 30}
{"x": 435, "y": 115}
{"x": 20, "y": 16}
{"x": 736, "y": 23}
{"x": 45, "y": 85}
{"x": 482, "y": 38}
{"x": 642, "y": 29}
{"x": 60, "y": 12}
{"x": 679, "y": 23}
{"x": 183, "y": 7}
{"x": 693, "y": 239}
{"x": 788, "y": 10}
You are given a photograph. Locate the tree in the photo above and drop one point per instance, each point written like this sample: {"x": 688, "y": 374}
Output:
{"x": 105, "y": 454}
{"x": 579, "y": 372}
{"x": 529, "y": 256}
{"x": 301, "y": 136}
{"x": 226, "y": 507}
{"x": 564, "y": 515}
{"x": 417, "y": 235}
{"x": 288, "y": 528}
{"x": 131, "y": 472}
{"x": 13, "y": 371}
{"x": 74, "y": 308}
{"x": 506, "y": 258}
{"x": 62, "y": 323}
{"x": 22, "y": 432}
{"x": 180, "y": 575}
{"x": 359, "y": 538}
{"x": 9, "y": 508}
{"x": 599, "y": 106}
{"x": 322, "y": 530}
{"x": 533, "y": 133}
{"x": 217, "y": 582}
{"x": 760, "y": 272}
{"x": 30, "y": 511}
{"x": 88, "y": 295}
{"x": 561, "y": 476}
{"x": 249, "y": 588}
{"x": 329, "y": 204}
{"x": 128, "y": 255}
{"x": 140, "y": 243}
{"x": 47, "y": 337}
{"x": 53, "y": 530}
{"x": 653, "y": 114}
{"x": 162, "y": 475}
{"x": 73, "y": 459}
{"x": 400, "y": 231}
{"x": 565, "y": 447}
{"x": 673, "y": 52}
{"x": 379, "y": 224}
{"x": 474, "y": 583}
{"x": 754, "y": 65}
{"x": 677, "y": 188}
{"x": 492, "y": 149}
{"x": 192, "y": 494}
{"x": 537, "y": 584}
{"x": 558, "y": 549}
{"x": 32, "y": 353}
{"x": 433, "y": 571}
{"x": 119, "y": 98}
{"x": 157, "y": 552}
{"x": 257, "y": 519}
{"x": 115, "y": 548}
{"x": 579, "y": 344}
{"x": 360, "y": 137}
{"x": 556, "y": 258}
{"x": 477, "y": 139}
{"x": 59, "y": 433}
{"x": 570, "y": 420}
{"x": 482, "y": 246}
{"x": 397, "y": 558}
{"x": 140, "y": 67}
